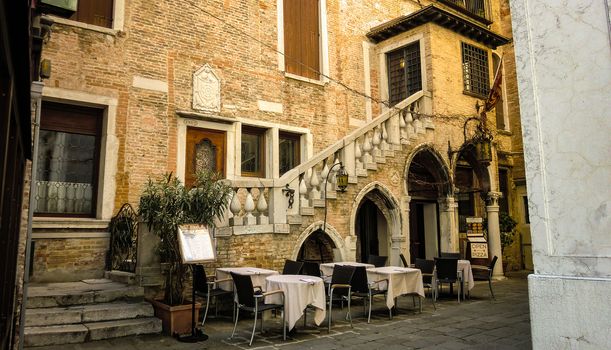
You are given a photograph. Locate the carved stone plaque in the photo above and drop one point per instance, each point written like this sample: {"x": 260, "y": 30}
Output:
{"x": 206, "y": 90}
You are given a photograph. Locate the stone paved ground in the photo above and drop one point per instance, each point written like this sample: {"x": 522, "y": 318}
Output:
{"x": 478, "y": 323}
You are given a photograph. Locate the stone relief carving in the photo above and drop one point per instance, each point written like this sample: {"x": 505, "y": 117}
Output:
{"x": 206, "y": 90}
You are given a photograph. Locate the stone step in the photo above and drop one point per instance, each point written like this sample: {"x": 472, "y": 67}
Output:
{"x": 70, "y": 334}
{"x": 122, "y": 328}
{"x": 52, "y": 335}
{"x": 79, "y": 293}
{"x": 87, "y": 313}
{"x": 128, "y": 278}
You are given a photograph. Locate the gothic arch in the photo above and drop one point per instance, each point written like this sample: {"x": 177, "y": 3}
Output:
{"x": 331, "y": 232}
{"x": 443, "y": 175}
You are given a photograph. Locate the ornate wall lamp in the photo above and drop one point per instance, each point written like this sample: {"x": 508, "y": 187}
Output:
{"x": 482, "y": 140}
{"x": 341, "y": 182}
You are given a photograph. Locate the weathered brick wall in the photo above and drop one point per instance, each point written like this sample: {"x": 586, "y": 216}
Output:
{"x": 70, "y": 259}
{"x": 169, "y": 41}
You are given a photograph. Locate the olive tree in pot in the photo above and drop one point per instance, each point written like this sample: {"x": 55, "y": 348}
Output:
{"x": 164, "y": 205}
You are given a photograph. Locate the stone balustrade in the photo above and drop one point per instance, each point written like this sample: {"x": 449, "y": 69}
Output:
{"x": 262, "y": 205}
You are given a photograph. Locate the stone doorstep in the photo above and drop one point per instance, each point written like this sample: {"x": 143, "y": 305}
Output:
{"x": 128, "y": 278}
{"x": 41, "y": 297}
{"x": 87, "y": 313}
{"x": 70, "y": 334}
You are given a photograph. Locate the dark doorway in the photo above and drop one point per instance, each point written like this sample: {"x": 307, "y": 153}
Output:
{"x": 367, "y": 231}
{"x": 416, "y": 231}
{"x": 318, "y": 247}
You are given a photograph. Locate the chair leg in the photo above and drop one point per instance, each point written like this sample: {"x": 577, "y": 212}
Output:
{"x": 349, "y": 314}
{"x": 207, "y": 306}
{"x": 490, "y": 286}
{"x": 284, "y": 323}
{"x": 330, "y": 308}
{"x": 370, "y": 301}
{"x": 235, "y": 325}
{"x": 254, "y": 327}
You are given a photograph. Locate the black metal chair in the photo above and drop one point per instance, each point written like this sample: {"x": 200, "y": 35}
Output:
{"x": 341, "y": 288}
{"x": 427, "y": 267}
{"x": 361, "y": 288}
{"x": 450, "y": 255}
{"x": 253, "y": 301}
{"x": 403, "y": 260}
{"x": 292, "y": 267}
{"x": 208, "y": 288}
{"x": 485, "y": 273}
{"x": 377, "y": 261}
{"x": 447, "y": 273}
{"x": 311, "y": 269}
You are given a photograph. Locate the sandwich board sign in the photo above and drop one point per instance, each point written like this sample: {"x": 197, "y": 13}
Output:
{"x": 196, "y": 244}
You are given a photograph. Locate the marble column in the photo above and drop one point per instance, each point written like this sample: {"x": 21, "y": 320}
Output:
{"x": 494, "y": 232}
{"x": 448, "y": 225}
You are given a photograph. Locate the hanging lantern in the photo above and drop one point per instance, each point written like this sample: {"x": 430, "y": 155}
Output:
{"x": 483, "y": 148}
{"x": 341, "y": 179}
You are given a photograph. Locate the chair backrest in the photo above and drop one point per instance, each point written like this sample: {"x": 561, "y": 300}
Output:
{"x": 200, "y": 281}
{"x": 377, "y": 261}
{"x": 342, "y": 274}
{"x": 491, "y": 267}
{"x": 450, "y": 255}
{"x": 447, "y": 269}
{"x": 311, "y": 268}
{"x": 244, "y": 289}
{"x": 292, "y": 267}
{"x": 426, "y": 267}
{"x": 403, "y": 260}
{"x": 359, "y": 280}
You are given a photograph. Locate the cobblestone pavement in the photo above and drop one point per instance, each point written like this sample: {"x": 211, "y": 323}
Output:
{"x": 478, "y": 323}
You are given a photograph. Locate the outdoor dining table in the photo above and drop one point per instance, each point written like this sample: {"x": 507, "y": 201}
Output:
{"x": 299, "y": 292}
{"x": 257, "y": 275}
{"x": 401, "y": 280}
{"x": 327, "y": 268}
{"x": 466, "y": 273}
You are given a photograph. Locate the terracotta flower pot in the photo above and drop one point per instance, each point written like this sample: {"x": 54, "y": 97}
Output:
{"x": 175, "y": 319}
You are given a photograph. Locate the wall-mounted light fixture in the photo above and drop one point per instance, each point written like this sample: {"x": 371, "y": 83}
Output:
{"x": 341, "y": 182}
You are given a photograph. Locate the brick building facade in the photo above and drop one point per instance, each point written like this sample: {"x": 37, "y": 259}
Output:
{"x": 140, "y": 94}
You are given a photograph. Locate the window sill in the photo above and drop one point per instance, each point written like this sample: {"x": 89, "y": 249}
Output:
{"x": 504, "y": 132}
{"x": 91, "y": 27}
{"x": 473, "y": 94}
{"x": 304, "y": 79}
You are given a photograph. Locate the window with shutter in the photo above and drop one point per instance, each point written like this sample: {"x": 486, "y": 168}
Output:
{"x": 96, "y": 12}
{"x": 404, "y": 74}
{"x": 302, "y": 38}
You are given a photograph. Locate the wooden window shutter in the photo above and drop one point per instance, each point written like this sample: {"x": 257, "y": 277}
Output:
{"x": 302, "y": 38}
{"x": 96, "y": 12}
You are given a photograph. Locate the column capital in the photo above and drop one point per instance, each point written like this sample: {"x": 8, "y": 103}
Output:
{"x": 493, "y": 198}
{"x": 448, "y": 203}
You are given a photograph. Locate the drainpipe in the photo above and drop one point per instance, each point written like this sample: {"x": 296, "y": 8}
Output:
{"x": 36, "y": 95}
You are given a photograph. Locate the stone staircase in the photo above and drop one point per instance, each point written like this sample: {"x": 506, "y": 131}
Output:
{"x": 78, "y": 312}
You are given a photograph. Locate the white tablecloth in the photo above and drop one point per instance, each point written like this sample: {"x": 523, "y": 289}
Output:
{"x": 402, "y": 280}
{"x": 257, "y": 275}
{"x": 299, "y": 292}
{"x": 467, "y": 273}
{"x": 327, "y": 268}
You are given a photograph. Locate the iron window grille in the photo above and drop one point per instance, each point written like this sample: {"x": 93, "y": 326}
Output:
{"x": 404, "y": 72}
{"x": 476, "y": 77}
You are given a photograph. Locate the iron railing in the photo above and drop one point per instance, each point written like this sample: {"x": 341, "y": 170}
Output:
{"x": 123, "y": 229}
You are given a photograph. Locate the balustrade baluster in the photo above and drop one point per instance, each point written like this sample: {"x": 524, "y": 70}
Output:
{"x": 236, "y": 207}
{"x": 357, "y": 155}
{"x": 323, "y": 175}
{"x": 384, "y": 137}
{"x": 314, "y": 183}
{"x": 249, "y": 207}
{"x": 303, "y": 191}
{"x": 366, "y": 150}
{"x": 262, "y": 218}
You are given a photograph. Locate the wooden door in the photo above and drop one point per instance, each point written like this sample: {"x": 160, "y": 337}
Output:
{"x": 205, "y": 151}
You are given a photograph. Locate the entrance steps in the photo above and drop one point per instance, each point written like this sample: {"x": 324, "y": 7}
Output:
{"x": 78, "y": 312}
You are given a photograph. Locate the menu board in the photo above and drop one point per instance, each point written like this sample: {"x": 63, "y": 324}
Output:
{"x": 479, "y": 250}
{"x": 196, "y": 244}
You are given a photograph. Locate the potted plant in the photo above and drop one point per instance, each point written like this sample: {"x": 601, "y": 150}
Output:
{"x": 164, "y": 205}
{"x": 507, "y": 227}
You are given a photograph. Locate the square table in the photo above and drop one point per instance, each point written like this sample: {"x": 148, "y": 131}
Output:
{"x": 299, "y": 292}
{"x": 401, "y": 280}
{"x": 257, "y": 275}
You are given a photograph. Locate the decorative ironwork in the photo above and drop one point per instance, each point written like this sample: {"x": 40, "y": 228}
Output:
{"x": 123, "y": 229}
{"x": 290, "y": 193}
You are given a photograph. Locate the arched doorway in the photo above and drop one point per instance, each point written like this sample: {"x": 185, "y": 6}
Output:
{"x": 376, "y": 221}
{"x": 427, "y": 183}
{"x": 318, "y": 247}
{"x": 472, "y": 183}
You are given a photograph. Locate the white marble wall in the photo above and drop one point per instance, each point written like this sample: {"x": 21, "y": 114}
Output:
{"x": 563, "y": 57}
